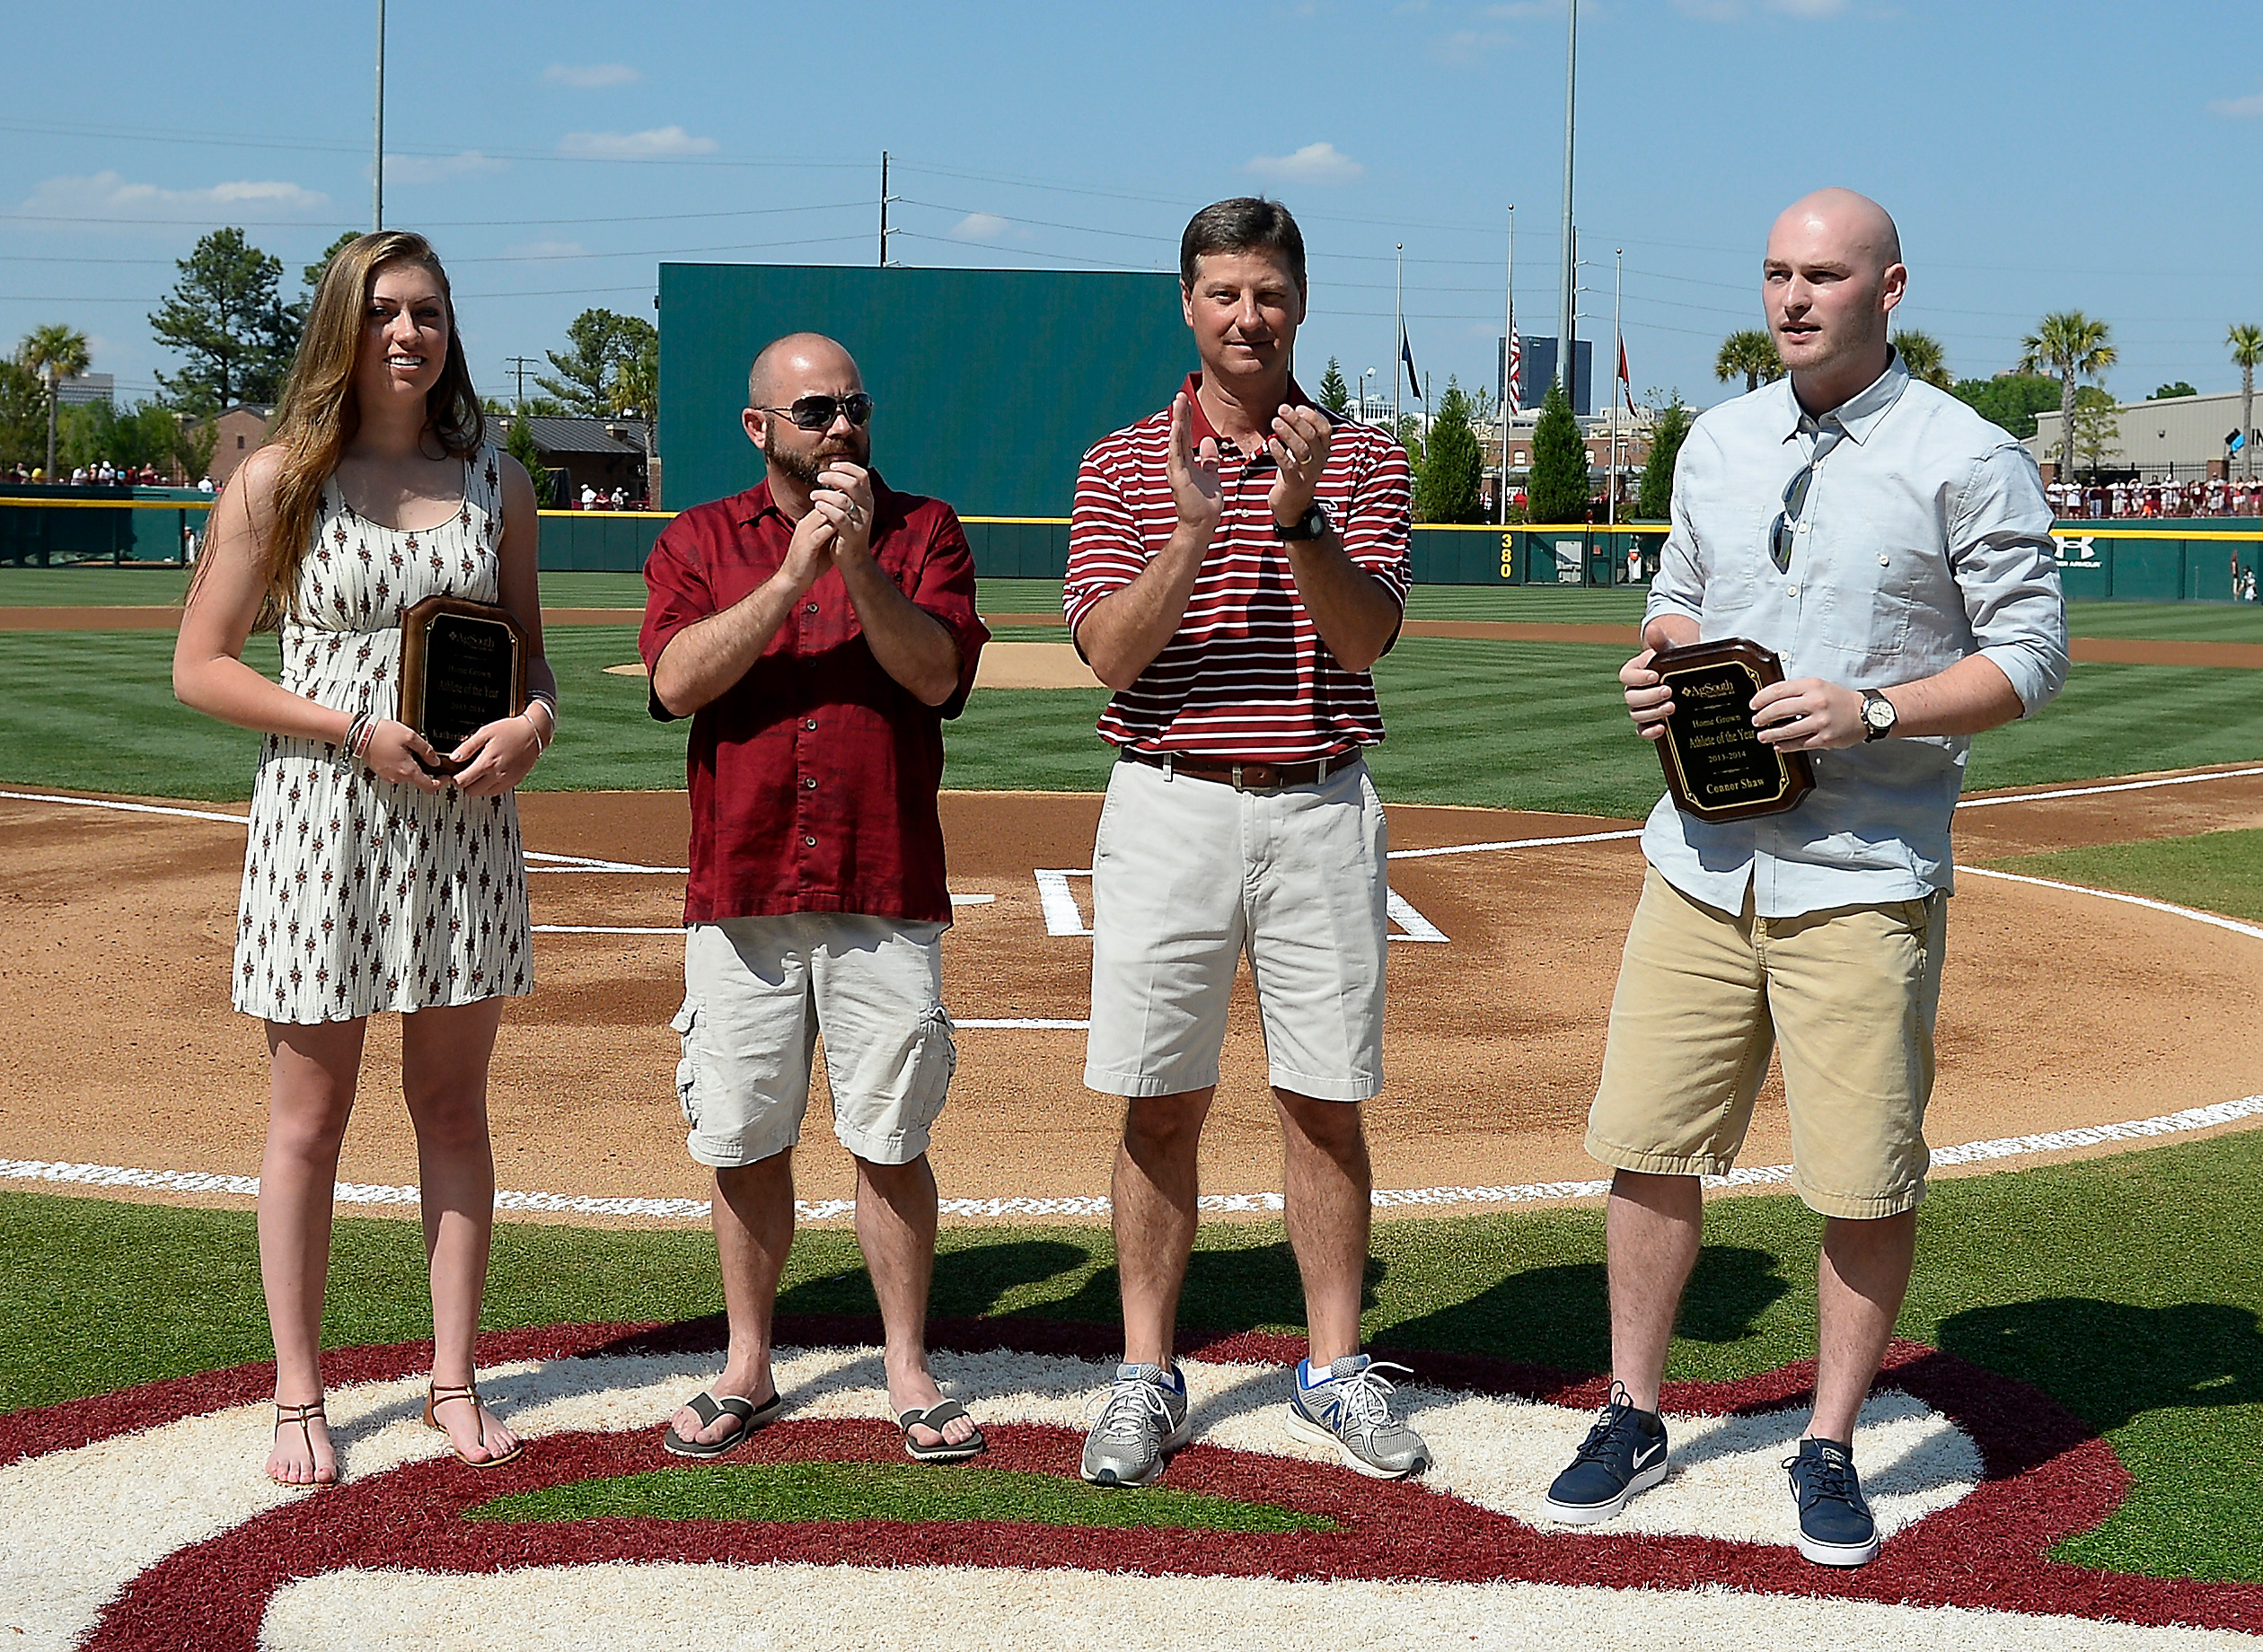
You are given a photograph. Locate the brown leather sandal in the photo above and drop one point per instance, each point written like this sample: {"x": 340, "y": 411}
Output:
{"x": 298, "y": 1416}
{"x": 446, "y": 1394}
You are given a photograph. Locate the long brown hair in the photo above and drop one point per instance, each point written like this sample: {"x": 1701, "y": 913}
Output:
{"x": 318, "y": 415}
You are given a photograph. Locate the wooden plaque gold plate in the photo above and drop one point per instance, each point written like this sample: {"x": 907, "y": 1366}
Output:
{"x": 463, "y": 666}
{"x": 1717, "y": 768}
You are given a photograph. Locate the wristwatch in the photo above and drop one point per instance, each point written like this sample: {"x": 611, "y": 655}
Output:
{"x": 1879, "y": 715}
{"x": 1311, "y": 525}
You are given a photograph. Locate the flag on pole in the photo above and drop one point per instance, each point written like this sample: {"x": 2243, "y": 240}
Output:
{"x": 1512, "y": 396}
{"x": 1414, "y": 379}
{"x": 1626, "y": 383}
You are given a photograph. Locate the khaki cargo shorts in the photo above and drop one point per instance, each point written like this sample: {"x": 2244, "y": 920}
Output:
{"x": 757, "y": 994}
{"x": 1848, "y": 995}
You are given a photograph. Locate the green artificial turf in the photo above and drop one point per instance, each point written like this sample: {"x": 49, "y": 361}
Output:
{"x": 2216, "y": 871}
{"x": 909, "y": 1493}
{"x": 2122, "y": 1288}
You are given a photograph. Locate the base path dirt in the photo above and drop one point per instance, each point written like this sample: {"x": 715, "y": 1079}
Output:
{"x": 2061, "y": 1009}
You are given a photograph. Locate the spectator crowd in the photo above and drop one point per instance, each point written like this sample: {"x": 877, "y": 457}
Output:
{"x": 2217, "y": 496}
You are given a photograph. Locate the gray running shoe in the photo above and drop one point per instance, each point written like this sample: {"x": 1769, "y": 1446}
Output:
{"x": 1143, "y": 1419}
{"x": 1351, "y": 1411}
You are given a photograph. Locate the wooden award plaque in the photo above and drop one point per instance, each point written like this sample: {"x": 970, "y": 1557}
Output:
{"x": 463, "y": 666}
{"x": 1716, "y": 766}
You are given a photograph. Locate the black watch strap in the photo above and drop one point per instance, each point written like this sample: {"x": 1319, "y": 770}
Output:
{"x": 1311, "y": 525}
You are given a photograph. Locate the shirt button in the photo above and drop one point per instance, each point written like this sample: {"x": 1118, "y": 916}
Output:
{"x": 1884, "y": 560}
{"x": 812, "y": 722}
{"x": 1802, "y": 527}
{"x": 811, "y": 608}
{"x": 1791, "y": 590}
{"x": 809, "y": 843}
{"x": 811, "y": 783}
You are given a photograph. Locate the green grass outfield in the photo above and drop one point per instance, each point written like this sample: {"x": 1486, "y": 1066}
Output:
{"x": 1535, "y": 725}
{"x": 2122, "y": 1288}
{"x": 96, "y": 586}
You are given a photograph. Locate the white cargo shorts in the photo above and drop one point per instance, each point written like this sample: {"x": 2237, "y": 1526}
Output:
{"x": 758, "y": 994}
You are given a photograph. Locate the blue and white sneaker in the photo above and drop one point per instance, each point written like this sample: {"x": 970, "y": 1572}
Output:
{"x": 1142, "y": 1421}
{"x": 1349, "y": 1409}
{"x": 1624, "y": 1454}
{"x": 1836, "y": 1526}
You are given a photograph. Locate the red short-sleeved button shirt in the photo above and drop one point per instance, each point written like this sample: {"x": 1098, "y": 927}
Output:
{"x": 814, "y": 776}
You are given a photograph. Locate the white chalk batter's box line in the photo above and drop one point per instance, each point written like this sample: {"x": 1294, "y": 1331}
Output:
{"x": 1098, "y": 1205}
{"x": 1063, "y": 916}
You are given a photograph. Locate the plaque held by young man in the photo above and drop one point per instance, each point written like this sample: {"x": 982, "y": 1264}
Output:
{"x": 1717, "y": 768}
{"x": 463, "y": 666}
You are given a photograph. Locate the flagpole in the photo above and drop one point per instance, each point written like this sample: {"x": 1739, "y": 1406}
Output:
{"x": 377, "y": 167}
{"x": 1398, "y": 344}
{"x": 1571, "y": 84}
{"x": 1618, "y": 354}
{"x": 1508, "y": 359}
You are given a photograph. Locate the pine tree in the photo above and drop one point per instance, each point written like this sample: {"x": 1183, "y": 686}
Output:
{"x": 520, "y": 445}
{"x": 1446, "y": 490}
{"x": 1558, "y": 489}
{"x": 1654, "y": 501}
{"x": 226, "y": 315}
{"x": 1335, "y": 395}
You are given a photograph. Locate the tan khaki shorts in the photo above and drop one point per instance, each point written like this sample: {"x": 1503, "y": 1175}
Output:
{"x": 757, "y": 994}
{"x": 1848, "y": 994}
{"x": 1188, "y": 875}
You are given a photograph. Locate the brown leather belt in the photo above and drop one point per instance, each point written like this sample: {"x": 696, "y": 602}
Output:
{"x": 1241, "y": 777}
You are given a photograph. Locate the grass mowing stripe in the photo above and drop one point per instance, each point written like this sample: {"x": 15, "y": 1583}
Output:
{"x": 2215, "y": 870}
{"x": 905, "y": 1493}
{"x": 2120, "y": 1286}
{"x": 97, "y": 585}
{"x": 1503, "y": 725}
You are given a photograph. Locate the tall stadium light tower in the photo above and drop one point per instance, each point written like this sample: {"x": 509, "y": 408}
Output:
{"x": 377, "y": 171}
{"x": 1571, "y": 86}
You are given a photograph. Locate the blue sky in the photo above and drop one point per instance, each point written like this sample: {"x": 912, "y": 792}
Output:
{"x": 2038, "y": 156}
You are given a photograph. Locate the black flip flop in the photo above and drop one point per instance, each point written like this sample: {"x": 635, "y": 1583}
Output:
{"x": 942, "y": 1451}
{"x": 706, "y": 1408}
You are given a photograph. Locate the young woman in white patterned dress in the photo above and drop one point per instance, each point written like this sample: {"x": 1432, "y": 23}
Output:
{"x": 371, "y": 883}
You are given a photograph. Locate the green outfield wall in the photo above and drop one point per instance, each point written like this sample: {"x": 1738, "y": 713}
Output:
{"x": 988, "y": 383}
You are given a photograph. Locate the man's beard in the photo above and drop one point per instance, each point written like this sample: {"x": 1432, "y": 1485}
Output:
{"x": 805, "y": 468}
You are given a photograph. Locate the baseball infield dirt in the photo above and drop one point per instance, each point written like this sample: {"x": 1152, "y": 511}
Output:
{"x": 2061, "y": 1009}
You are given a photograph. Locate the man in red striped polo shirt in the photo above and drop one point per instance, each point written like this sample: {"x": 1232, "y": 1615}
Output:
{"x": 1237, "y": 565}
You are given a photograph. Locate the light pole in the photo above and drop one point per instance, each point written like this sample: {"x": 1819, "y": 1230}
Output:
{"x": 1363, "y": 393}
{"x": 1571, "y": 86}
{"x": 377, "y": 172}
{"x": 54, "y": 387}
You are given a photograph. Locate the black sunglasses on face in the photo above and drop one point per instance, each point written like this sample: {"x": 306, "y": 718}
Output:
{"x": 818, "y": 412}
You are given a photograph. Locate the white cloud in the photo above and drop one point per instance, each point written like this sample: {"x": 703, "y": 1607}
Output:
{"x": 1464, "y": 44}
{"x": 635, "y": 146}
{"x": 1810, "y": 8}
{"x": 109, "y": 195}
{"x": 1313, "y": 164}
{"x": 2239, "y": 109}
{"x": 980, "y": 226}
{"x": 549, "y": 249}
{"x": 588, "y": 76}
{"x": 433, "y": 169}
{"x": 1524, "y": 8}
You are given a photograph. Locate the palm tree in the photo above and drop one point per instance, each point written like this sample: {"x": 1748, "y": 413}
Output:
{"x": 2068, "y": 346}
{"x": 1922, "y": 354}
{"x": 1752, "y": 352}
{"x": 54, "y": 352}
{"x": 2245, "y": 339}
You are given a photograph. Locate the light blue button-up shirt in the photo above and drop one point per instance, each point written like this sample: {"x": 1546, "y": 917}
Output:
{"x": 1924, "y": 538}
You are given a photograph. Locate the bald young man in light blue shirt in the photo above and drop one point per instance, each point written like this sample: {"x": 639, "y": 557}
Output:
{"x": 1894, "y": 549}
